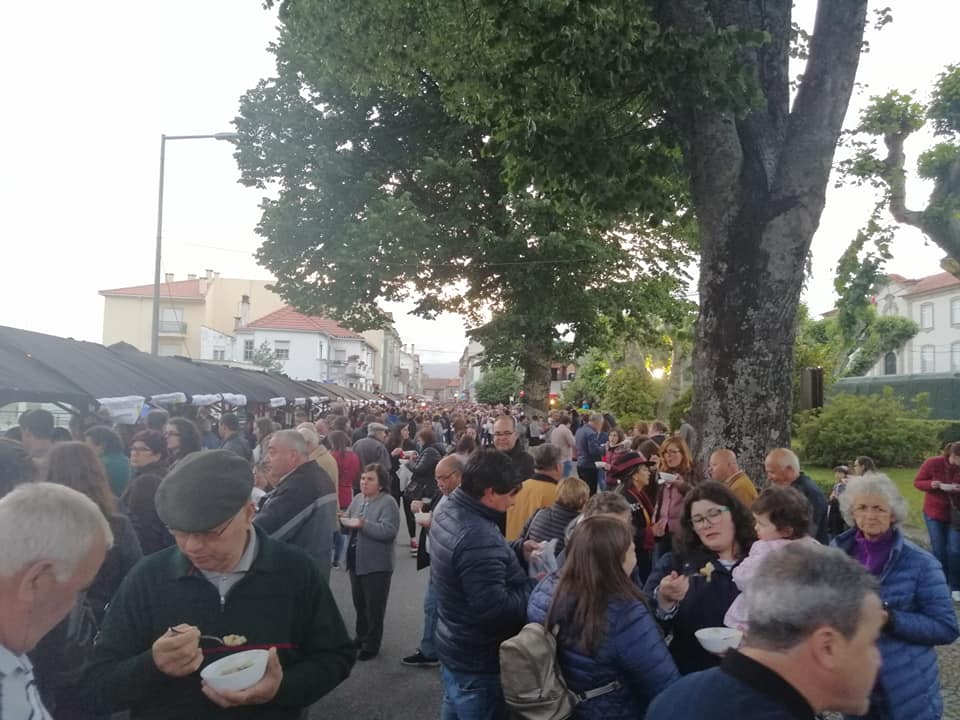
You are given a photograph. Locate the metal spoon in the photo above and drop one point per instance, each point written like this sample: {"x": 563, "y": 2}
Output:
{"x": 214, "y": 638}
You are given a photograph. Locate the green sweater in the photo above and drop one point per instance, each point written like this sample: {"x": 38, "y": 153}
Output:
{"x": 282, "y": 602}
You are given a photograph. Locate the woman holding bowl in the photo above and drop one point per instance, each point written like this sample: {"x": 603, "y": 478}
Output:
{"x": 914, "y": 594}
{"x": 677, "y": 476}
{"x": 693, "y": 586}
{"x": 372, "y": 520}
{"x": 939, "y": 480}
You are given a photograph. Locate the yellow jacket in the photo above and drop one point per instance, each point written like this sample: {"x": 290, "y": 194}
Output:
{"x": 538, "y": 492}
{"x": 743, "y": 487}
{"x": 326, "y": 461}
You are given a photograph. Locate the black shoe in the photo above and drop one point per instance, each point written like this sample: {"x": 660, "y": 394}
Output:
{"x": 418, "y": 659}
{"x": 366, "y": 655}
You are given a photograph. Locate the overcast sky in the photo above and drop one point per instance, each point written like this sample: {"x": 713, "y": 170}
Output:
{"x": 90, "y": 87}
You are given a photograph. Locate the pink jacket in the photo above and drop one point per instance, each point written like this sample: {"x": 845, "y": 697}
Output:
{"x": 737, "y": 616}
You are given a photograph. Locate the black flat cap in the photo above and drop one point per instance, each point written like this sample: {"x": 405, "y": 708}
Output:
{"x": 204, "y": 490}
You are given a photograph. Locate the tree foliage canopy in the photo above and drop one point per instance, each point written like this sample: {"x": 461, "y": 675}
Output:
{"x": 498, "y": 385}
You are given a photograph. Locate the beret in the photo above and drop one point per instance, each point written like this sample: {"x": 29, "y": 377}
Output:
{"x": 203, "y": 490}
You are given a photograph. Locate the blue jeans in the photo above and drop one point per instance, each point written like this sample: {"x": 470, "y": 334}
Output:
{"x": 428, "y": 645}
{"x": 939, "y": 532}
{"x": 339, "y": 541}
{"x": 568, "y": 468}
{"x": 472, "y": 696}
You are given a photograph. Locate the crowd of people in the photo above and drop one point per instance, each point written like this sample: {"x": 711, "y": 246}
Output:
{"x": 161, "y": 542}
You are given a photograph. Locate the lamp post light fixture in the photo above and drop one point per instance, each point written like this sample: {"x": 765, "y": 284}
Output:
{"x": 155, "y": 329}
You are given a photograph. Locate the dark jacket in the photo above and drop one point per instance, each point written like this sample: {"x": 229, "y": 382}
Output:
{"x": 295, "y": 493}
{"x": 282, "y": 601}
{"x": 120, "y": 559}
{"x": 704, "y": 606}
{"x": 913, "y": 587}
{"x": 817, "y": 500}
{"x": 549, "y": 523}
{"x": 740, "y": 689}
{"x": 423, "y": 557}
{"x": 588, "y": 446}
{"x": 139, "y": 499}
{"x": 632, "y": 652}
{"x": 238, "y": 444}
{"x": 370, "y": 450}
{"x": 523, "y": 464}
{"x": 423, "y": 482}
{"x": 641, "y": 515}
{"x": 480, "y": 585}
{"x": 117, "y": 466}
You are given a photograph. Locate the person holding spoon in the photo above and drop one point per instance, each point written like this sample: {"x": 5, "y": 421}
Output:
{"x": 176, "y": 607}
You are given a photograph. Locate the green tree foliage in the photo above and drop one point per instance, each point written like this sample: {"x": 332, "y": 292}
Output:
{"x": 498, "y": 385}
{"x": 890, "y": 119}
{"x": 590, "y": 384}
{"x": 681, "y": 408}
{"x": 631, "y": 393}
{"x": 265, "y": 357}
{"x": 880, "y": 426}
{"x": 882, "y": 335}
{"x": 389, "y": 190}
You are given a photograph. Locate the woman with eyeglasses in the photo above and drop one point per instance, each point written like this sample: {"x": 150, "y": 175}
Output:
{"x": 693, "y": 586}
{"x": 920, "y": 614}
{"x": 147, "y": 459}
{"x": 677, "y": 475}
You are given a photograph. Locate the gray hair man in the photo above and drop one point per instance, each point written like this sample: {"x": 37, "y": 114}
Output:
{"x": 318, "y": 452}
{"x": 222, "y": 577}
{"x": 290, "y": 512}
{"x": 815, "y": 617}
{"x": 783, "y": 468}
{"x": 54, "y": 540}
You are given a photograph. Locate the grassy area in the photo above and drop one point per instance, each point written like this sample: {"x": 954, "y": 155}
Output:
{"x": 902, "y": 477}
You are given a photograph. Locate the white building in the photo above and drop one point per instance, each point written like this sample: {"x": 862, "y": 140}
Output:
{"x": 470, "y": 370}
{"x": 310, "y": 348}
{"x": 933, "y": 302}
{"x": 411, "y": 374}
{"x": 386, "y": 368}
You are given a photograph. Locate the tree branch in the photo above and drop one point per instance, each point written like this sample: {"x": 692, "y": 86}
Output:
{"x": 821, "y": 104}
{"x": 896, "y": 177}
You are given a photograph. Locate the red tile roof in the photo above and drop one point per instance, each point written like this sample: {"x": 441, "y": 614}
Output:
{"x": 175, "y": 289}
{"x": 286, "y": 318}
{"x": 932, "y": 283}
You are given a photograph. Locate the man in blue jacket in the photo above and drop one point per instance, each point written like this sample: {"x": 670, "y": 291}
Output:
{"x": 815, "y": 617}
{"x": 481, "y": 587}
{"x": 589, "y": 450}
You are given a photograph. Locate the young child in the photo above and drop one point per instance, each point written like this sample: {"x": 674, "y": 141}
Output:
{"x": 782, "y": 515}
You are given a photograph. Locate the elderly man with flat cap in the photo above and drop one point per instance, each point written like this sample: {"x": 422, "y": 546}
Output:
{"x": 223, "y": 577}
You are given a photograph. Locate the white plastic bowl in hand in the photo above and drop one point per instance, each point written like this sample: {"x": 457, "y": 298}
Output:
{"x": 666, "y": 478}
{"x": 349, "y": 522}
{"x": 718, "y": 640}
{"x": 421, "y": 518}
{"x": 225, "y": 675}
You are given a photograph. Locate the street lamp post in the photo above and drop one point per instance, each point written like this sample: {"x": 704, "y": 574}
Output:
{"x": 155, "y": 330}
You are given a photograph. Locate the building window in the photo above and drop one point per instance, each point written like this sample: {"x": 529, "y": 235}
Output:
{"x": 928, "y": 359}
{"x": 955, "y": 311}
{"x": 340, "y": 356}
{"x": 247, "y": 350}
{"x": 320, "y": 345}
{"x": 171, "y": 321}
{"x": 219, "y": 354}
{"x": 955, "y": 357}
{"x": 281, "y": 349}
{"x": 890, "y": 364}
{"x": 926, "y": 316}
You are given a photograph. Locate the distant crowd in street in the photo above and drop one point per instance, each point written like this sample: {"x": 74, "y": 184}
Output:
{"x": 137, "y": 556}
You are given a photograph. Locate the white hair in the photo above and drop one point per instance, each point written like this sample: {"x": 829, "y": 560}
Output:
{"x": 292, "y": 440}
{"x": 872, "y": 484}
{"x": 49, "y": 522}
{"x": 309, "y": 433}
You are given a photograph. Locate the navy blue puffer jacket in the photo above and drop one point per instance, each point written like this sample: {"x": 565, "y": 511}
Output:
{"x": 481, "y": 587}
{"x": 914, "y": 588}
{"x": 633, "y": 652}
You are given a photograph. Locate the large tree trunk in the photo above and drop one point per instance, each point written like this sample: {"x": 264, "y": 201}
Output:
{"x": 758, "y": 185}
{"x": 536, "y": 385}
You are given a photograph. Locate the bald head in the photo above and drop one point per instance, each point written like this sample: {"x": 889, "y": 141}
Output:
{"x": 723, "y": 465}
{"x": 448, "y": 473}
{"x": 782, "y": 466}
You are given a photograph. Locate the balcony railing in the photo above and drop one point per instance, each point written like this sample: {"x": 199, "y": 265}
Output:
{"x": 173, "y": 327}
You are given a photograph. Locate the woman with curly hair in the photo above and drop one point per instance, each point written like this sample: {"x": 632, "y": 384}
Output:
{"x": 693, "y": 586}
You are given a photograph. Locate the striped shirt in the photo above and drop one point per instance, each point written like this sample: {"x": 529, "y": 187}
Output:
{"x": 19, "y": 696}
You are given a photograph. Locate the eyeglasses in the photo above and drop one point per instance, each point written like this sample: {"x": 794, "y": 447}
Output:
{"x": 872, "y": 509}
{"x": 208, "y": 536}
{"x": 710, "y": 517}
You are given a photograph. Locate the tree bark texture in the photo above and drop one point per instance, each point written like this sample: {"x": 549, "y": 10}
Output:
{"x": 536, "y": 386}
{"x": 758, "y": 184}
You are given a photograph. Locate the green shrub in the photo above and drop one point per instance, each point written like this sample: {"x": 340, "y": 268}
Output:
{"x": 681, "y": 408}
{"x": 876, "y": 425}
{"x": 630, "y": 392}
{"x": 950, "y": 433}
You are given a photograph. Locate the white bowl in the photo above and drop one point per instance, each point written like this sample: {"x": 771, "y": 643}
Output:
{"x": 666, "y": 478}
{"x": 421, "y": 518}
{"x": 222, "y": 674}
{"x": 719, "y": 639}
{"x": 349, "y": 522}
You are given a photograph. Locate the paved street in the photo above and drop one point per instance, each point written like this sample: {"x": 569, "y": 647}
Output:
{"x": 382, "y": 688}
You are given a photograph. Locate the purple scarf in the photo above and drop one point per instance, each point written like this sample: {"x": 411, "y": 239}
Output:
{"x": 873, "y": 554}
